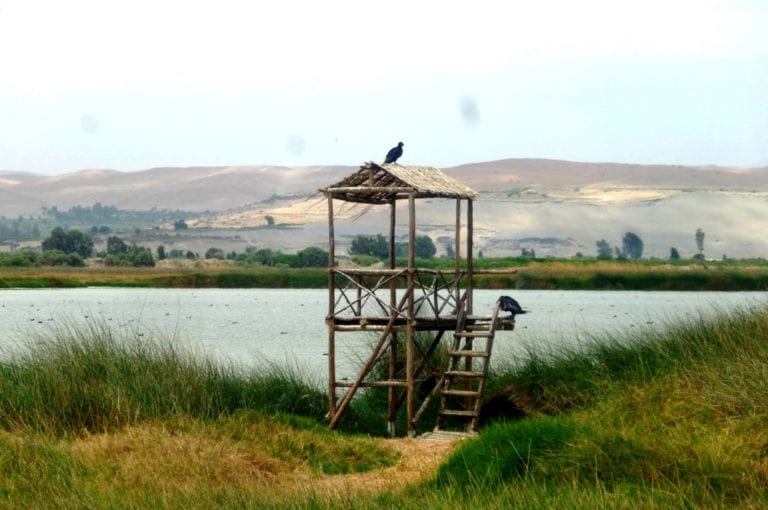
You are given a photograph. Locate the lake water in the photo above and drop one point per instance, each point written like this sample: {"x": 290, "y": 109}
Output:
{"x": 248, "y": 326}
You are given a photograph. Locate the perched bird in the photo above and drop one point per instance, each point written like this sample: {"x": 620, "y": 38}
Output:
{"x": 394, "y": 153}
{"x": 508, "y": 304}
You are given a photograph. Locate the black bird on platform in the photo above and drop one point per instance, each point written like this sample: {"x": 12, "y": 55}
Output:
{"x": 394, "y": 153}
{"x": 509, "y": 304}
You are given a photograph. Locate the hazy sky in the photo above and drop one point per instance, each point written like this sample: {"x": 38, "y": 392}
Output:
{"x": 134, "y": 84}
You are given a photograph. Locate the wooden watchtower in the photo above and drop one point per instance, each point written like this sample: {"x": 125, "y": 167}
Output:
{"x": 396, "y": 301}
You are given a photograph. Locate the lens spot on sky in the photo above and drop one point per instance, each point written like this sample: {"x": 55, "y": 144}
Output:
{"x": 295, "y": 144}
{"x": 89, "y": 124}
{"x": 470, "y": 112}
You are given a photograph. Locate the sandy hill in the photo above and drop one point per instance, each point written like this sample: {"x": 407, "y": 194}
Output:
{"x": 554, "y": 207}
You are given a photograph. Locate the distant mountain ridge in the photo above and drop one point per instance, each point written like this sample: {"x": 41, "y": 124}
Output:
{"x": 220, "y": 188}
{"x": 554, "y": 207}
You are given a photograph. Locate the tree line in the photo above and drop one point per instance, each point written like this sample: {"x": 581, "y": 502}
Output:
{"x": 632, "y": 248}
{"x": 72, "y": 246}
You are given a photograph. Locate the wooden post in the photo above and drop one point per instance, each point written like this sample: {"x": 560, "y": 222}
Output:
{"x": 331, "y": 312}
{"x": 392, "y": 391}
{"x": 409, "y": 348}
{"x": 470, "y": 285}
{"x": 457, "y": 253}
{"x": 470, "y": 258}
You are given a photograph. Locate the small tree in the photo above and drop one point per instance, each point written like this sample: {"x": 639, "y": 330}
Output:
{"x": 674, "y": 254}
{"x": 312, "y": 257}
{"x": 161, "y": 252}
{"x": 215, "y": 253}
{"x": 632, "y": 245}
{"x": 375, "y": 246}
{"x": 116, "y": 246}
{"x": 180, "y": 225}
{"x": 70, "y": 241}
{"x": 700, "y": 241}
{"x": 270, "y": 220}
{"x": 424, "y": 248}
{"x": 141, "y": 256}
{"x": 604, "y": 251}
{"x": 56, "y": 241}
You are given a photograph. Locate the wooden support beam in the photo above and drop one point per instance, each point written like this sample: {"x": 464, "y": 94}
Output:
{"x": 457, "y": 251}
{"x": 470, "y": 257}
{"x": 370, "y": 189}
{"x": 411, "y": 319}
{"x": 347, "y": 398}
{"x": 331, "y": 306}
{"x": 392, "y": 393}
{"x": 372, "y": 384}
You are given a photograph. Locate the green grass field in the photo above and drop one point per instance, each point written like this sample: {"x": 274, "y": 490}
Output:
{"x": 659, "y": 418}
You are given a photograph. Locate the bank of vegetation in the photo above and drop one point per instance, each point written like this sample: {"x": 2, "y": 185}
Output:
{"x": 65, "y": 250}
{"x": 563, "y": 274}
{"x": 663, "y": 418}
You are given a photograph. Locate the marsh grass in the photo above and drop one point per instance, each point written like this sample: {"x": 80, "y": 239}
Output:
{"x": 241, "y": 460}
{"x": 92, "y": 378}
{"x": 672, "y": 417}
{"x": 92, "y": 418}
{"x": 674, "y": 414}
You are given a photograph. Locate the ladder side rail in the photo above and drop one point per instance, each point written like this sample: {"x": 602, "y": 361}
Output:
{"x": 486, "y": 362}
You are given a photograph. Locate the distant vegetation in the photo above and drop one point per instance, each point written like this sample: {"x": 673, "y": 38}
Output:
{"x": 613, "y": 268}
{"x": 264, "y": 268}
{"x": 378, "y": 246}
{"x": 95, "y": 219}
{"x": 113, "y": 218}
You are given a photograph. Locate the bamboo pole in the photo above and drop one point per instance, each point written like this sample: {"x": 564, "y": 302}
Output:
{"x": 470, "y": 257}
{"x": 457, "y": 252}
{"x": 347, "y": 398}
{"x": 410, "y": 315}
{"x": 331, "y": 313}
{"x": 392, "y": 391}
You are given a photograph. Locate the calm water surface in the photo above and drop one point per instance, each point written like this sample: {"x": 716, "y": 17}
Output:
{"x": 248, "y": 326}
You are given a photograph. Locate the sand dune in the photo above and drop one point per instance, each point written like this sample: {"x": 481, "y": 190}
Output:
{"x": 553, "y": 207}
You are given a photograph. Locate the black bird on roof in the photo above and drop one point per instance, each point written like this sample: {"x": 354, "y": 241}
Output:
{"x": 394, "y": 153}
{"x": 509, "y": 304}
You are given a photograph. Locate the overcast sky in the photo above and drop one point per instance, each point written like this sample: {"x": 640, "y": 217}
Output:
{"x": 135, "y": 84}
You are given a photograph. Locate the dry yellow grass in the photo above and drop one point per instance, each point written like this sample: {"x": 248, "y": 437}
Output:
{"x": 157, "y": 458}
{"x": 152, "y": 456}
{"x": 419, "y": 460}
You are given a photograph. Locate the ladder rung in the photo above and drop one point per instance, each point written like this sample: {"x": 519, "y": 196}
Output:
{"x": 470, "y": 334}
{"x": 462, "y": 373}
{"x": 451, "y": 412}
{"x": 460, "y": 393}
{"x": 475, "y": 354}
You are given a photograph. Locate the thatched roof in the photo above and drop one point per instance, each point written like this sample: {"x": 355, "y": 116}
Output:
{"x": 380, "y": 184}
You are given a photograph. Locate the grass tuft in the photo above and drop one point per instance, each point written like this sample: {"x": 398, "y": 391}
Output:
{"x": 92, "y": 379}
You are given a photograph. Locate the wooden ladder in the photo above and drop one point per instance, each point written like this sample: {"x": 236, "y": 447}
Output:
{"x": 462, "y": 385}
